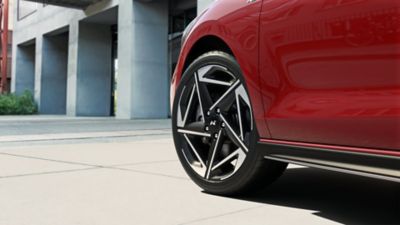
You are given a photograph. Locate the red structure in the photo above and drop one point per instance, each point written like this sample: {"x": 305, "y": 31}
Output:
{"x": 4, "y": 43}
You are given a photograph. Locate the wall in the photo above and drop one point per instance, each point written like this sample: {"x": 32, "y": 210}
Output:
{"x": 53, "y": 92}
{"x": 203, "y": 4}
{"x": 143, "y": 78}
{"x": 94, "y": 70}
{"x": 25, "y": 64}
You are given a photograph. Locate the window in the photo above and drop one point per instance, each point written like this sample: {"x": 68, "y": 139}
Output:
{"x": 177, "y": 24}
{"x": 179, "y": 21}
{"x": 26, "y": 8}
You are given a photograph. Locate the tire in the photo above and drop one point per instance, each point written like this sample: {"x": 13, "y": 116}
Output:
{"x": 214, "y": 131}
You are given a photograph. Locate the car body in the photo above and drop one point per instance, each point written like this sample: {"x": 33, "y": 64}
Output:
{"x": 323, "y": 77}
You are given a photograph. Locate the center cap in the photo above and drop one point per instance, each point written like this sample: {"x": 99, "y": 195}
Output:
{"x": 214, "y": 124}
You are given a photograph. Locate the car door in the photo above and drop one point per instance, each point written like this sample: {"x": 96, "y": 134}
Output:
{"x": 330, "y": 71}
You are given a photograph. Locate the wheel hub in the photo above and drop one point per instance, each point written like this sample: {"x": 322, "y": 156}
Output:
{"x": 213, "y": 123}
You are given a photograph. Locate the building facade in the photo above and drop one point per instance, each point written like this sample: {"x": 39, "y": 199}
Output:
{"x": 99, "y": 57}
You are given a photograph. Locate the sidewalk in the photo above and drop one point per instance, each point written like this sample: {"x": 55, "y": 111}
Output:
{"x": 55, "y": 178}
{"x": 71, "y": 126}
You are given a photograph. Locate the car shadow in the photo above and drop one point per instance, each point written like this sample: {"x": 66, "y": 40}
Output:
{"x": 342, "y": 198}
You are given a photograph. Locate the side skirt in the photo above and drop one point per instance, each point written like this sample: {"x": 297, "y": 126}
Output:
{"x": 364, "y": 164}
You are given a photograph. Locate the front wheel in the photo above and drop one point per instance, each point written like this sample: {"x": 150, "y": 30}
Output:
{"x": 214, "y": 130}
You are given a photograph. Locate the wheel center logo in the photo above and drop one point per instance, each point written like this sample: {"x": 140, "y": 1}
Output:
{"x": 213, "y": 123}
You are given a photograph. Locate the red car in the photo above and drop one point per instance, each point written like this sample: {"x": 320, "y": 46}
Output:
{"x": 263, "y": 83}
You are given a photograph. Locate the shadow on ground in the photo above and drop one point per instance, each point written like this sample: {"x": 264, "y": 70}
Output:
{"x": 342, "y": 198}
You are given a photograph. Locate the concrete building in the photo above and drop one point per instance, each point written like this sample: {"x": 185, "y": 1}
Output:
{"x": 99, "y": 58}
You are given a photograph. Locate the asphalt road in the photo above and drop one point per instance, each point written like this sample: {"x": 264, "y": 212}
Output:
{"x": 135, "y": 178}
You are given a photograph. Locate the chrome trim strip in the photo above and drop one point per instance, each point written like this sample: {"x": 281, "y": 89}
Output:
{"x": 294, "y": 145}
{"x": 342, "y": 170}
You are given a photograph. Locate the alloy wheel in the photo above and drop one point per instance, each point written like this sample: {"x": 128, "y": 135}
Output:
{"x": 214, "y": 122}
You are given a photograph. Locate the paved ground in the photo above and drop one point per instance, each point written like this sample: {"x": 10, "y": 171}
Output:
{"x": 125, "y": 172}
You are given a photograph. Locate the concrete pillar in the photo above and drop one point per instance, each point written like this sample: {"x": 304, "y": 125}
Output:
{"x": 24, "y": 72}
{"x": 54, "y": 74}
{"x": 203, "y": 4}
{"x": 72, "y": 70}
{"x": 38, "y": 69}
{"x": 93, "y": 84}
{"x": 142, "y": 83}
{"x": 89, "y": 70}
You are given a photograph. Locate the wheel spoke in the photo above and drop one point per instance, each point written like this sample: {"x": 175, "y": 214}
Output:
{"x": 227, "y": 159}
{"x": 204, "y": 97}
{"x": 241, "y": 156}
{"x": 203, "y": 165}
{"x": 195, "y": 128}
{"x": 239, "y": 117}
{"x": 200, "y": 98}
{"x": 233, "y": 136}
{"x": 203, "y": 72}
{"x": 236, "y": 159}
{"x": 225, "y": 95}
{"x": 182, "y": 121}
{"x": 211, "y": 156}
{"x": 240, "y": 93}
{"x": 193, "y": 131}
{"x": 203, "y": 134}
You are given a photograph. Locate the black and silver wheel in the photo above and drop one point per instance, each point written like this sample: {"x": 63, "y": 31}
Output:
{"x": 214, "y": 130}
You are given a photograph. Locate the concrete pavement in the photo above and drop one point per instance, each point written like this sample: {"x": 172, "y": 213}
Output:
{"x": 32, "y": 125}
{"x": 137, "y": 179}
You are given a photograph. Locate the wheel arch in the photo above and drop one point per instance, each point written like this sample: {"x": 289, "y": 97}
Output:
{"x": 203, "y": 45}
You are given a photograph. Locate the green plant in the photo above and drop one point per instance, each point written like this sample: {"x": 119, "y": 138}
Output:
{"x": 11, "y": 104}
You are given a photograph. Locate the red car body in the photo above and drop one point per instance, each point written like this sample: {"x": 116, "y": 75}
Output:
{"x": 321, "y": 74}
